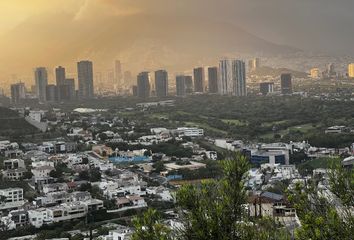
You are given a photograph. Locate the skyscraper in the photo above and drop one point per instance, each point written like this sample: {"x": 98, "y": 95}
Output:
{"x": 85, "y": 79}
{"x": 199, "y": 78}
{"x": 351, "y": 70}
{"x": 143, "y": 85}
{"x": 239, "y": 78}
{"x": 180, "y": 85}
{"x": 118, "y": 73}
{"x": 18, "y": 92}
{"x": 225, "y": 80}
{"x": 60, "y": 81}
{"x": 60, "y": 76}
{"x": 70, "y": 83}
{"x": 161, "y": 83}
{"x": 213, "y": 76}
{"x": 188, "y": 81}
{"x": 286, "y": 83}
{"x": 41, "y": 78}
{"x": 232, "y": 78}
{"x": 254, "y": 64}
{"x": 52, "y": 93}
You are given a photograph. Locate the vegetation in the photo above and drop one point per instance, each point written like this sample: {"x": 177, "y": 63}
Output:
{"x": 215, "y": 210}
{"x": 324, "y": 215}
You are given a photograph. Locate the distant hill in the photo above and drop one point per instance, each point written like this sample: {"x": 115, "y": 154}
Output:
{"x": 276, "y": 72}
{"x": 141, "y": 41}
{"x": 11, "y": 124}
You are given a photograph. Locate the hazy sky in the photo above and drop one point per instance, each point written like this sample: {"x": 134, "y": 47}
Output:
{"x": 303, "y": 23}
{"x": 322, "y": 25}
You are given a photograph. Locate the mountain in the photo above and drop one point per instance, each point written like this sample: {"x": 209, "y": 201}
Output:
{"x": 141, "y": 41}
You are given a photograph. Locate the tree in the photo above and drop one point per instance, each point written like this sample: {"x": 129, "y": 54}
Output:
{"x": 56, "y": 174}
{"x": 325, "y": 213}
{"x": 149, "y": 226}
{"x": 95, "y": 175}
{"x": 215, "y": 209}
{"x": 342, "y": 183}
{"x": 159, "y": 166}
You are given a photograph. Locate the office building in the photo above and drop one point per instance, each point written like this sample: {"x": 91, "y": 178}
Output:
{"x": 18, "y": 92}
{"x": 161, "y": 83}
{"x": 315, "y": 73}
{"x": 266, "y": 88}
{"x": 70, "y": 82}
{"x": 118, "y": 73}
{"x": 60, "y": 81}
{"x": 286, "y": 83}
{"x": 351, "y": 70}
{"x": 199, "y": 78}
{"x": 60, "y": 75}
{"x": 213, "y": 76}
{"x": 85, "y": 79}
{"x": 51, "y": 93}
{"x": 143, "y": 84}
{"x": 180, "y": 86}
{"x": 41, "y": 78}
{"x": 188, "y": 81}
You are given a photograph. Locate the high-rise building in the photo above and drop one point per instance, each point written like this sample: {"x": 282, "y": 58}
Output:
{"x": 225, "y": 80}
{"x": 199, "y": 78}
{"x": 351, "y": 70}
{"x": 161, "y": 83}
{"x": 232, "y": 78}
{"x": 266, "y": 88}
{"x": 239, "y": 78}
{"x": 143, "y": 84}
{"x": 60, "y": 75}
{"x": 286, "y": 83}
{"x": 254, "y": 64}
{"x": 315, "y": 73}
{"x": 213, "y": 76}
{"x": 118, "y": 73}
{"x": 41, "y": 77}
{"x": 70, "y": 82}
{"x": 180, "y": 85}
{"x": 85, "y": 79}
{"x": 188, "y": 81}
{"x": 51, "y": 93}
{"x": 18, "y": 92}
{"x": 60, "y": 81}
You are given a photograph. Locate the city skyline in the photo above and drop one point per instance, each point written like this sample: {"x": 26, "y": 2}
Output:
{"x": 78, "y": 19}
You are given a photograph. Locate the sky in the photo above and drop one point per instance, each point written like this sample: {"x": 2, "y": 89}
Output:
{"x": 311, "y": 25}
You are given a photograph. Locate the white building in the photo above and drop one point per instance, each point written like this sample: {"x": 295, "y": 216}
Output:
{"x": 232, "y": 80}
{"x": 41, "y": 172}
{"x": 36, "y": 115}
{"x": 39, "y": 217}
{"x": 12, "y": 198}
{"x": 190, "y": 132}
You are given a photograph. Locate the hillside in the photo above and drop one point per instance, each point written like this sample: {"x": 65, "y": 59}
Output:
{"x": 141, "y": 41}
{"x": 11, "y": 124}
{"x": 276, "y": 72}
